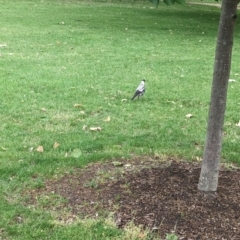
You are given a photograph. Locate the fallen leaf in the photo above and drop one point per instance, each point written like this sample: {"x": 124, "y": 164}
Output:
{"x": 95, "y": 128}
{"x": 117, "y": 163}
{"x": 76, "y": 153}
{"x": 227, "y": 124}
{"x": 238, "y": 124}
{"x": 56, "y": 145}
{"x": 66, "y": 154}
{"x": 128, "y": 165}
{"x": 84, "y": 128}
{"x": 40, "y": 149}
{"x": 189, "y": 115}
{"x": 43, "y": 109}
{"x": 232, "y": 80}
{"x": 4, "y": 149}
{"x": 107, "y": 119}
{"x": 171, "y": 102}
{"x": 82, "y": 112}
{"x": 124, "y": 100}
{"x": 231, "y": 166}
{"x": 141, "y": 235}
{"x": 78, "y": 105}
{"x": 3, "y": 45}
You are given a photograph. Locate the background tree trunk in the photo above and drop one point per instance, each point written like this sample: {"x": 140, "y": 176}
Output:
{"x": 210, "y": 166}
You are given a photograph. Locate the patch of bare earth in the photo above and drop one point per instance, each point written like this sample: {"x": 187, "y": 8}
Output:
{"x": 161, "y": 196}
{"x": 218, "y": 5}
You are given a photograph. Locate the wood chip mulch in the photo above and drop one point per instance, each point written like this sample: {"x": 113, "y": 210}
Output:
{"x": 160, "y": 196}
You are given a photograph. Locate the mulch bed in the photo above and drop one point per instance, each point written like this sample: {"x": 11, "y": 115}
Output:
{"x": 160, "y": 196}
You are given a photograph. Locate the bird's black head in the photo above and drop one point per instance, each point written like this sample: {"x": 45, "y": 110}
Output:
{"x": 144, "y": 80}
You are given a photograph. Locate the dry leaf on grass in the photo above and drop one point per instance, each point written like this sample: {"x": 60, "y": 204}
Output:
{"x": 78, "y": 105}
{"x": 56, "y": 145}
{"x": 189, "y": 115}
{"x": 141, "y": 235}
{"x": 84, "y": 128}
{"x": 3, "y": 45}
{"x": 238, "y": 124}
{"x": 117, "y": 163}
{"x": 40, "y": 149}
{"x": 66, "y": 154}
{"x": 95, "y": 128}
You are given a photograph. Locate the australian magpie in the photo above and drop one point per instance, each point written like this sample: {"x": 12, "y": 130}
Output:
{"x": 140, "y": 90}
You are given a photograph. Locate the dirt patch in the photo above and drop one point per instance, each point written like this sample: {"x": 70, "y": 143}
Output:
{"x": 218, "y": 5}
{"x": 161, "y": 196}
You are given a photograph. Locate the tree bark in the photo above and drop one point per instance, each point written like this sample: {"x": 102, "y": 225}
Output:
{"x": 208, "y": 180}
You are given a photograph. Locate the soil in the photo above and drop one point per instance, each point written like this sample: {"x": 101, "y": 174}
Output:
{"x": 158, "y": 195}
{"x": 218, "y": 5}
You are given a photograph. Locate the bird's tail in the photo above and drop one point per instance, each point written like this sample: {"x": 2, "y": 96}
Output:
{"x": 134, "y": 96}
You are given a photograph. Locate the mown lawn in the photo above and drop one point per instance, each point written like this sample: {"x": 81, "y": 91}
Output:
{"x": 69, "y": 66}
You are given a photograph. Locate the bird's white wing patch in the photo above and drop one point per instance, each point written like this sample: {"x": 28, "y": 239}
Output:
{"x": 140, "y": 87}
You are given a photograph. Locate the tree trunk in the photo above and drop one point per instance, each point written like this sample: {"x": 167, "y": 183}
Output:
{"x": 211, "y": 158}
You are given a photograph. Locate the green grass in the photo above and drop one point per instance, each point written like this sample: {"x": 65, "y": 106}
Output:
{"x": 55, "y": 54}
